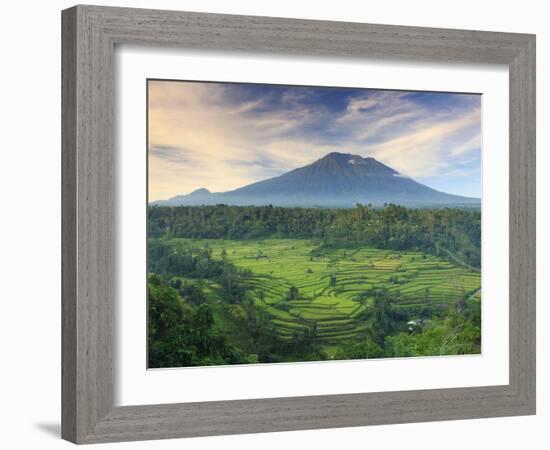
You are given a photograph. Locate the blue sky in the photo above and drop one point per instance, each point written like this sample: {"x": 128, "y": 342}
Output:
{"x": 221, "y": 136}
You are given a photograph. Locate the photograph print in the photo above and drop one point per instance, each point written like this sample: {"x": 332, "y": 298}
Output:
{"x": 289, "y": 224}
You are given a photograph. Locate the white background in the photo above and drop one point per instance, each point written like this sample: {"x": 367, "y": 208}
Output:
{"x": 30, "y": 226}
{"x": 134, "y": 385}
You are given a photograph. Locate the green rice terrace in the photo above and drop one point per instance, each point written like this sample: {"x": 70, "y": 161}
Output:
{"x": 302, "y": 287}
{"x": 330, "y": 286}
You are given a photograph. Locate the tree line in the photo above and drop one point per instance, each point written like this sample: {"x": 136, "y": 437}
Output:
{"x": 447, "y": 232}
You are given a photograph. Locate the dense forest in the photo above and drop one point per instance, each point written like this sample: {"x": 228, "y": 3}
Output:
{"x": 205, "y": 309}
{"x": 449, "y": 232}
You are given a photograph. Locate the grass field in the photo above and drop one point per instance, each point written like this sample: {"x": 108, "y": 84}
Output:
{"x": 331, "y": 283}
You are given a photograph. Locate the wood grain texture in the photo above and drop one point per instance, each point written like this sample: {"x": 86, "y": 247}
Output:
{"x": 523, "y": 224}
{"x": 89, "y": 36}
{"x": 88, "y": 210}
{"x": 68, "y": 225}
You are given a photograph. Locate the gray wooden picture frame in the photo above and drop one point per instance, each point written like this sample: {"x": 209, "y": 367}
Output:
{"x": 90, "y": 34}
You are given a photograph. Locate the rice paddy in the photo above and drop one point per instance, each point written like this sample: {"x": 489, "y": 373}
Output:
{"x": 332, "y": 285}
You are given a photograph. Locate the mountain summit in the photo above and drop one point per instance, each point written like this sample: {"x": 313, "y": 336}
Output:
{"x": 335, "y": 180}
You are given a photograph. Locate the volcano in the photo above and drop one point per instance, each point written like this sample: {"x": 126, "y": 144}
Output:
{"x": 336, "y": 180}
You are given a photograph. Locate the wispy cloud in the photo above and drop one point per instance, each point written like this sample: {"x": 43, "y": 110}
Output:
{"x": 428, "y": 147}
{"x": 222, "y": 136}
{"x": 175, "y": 155}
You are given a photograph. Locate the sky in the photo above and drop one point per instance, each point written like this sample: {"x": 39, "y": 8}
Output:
{"x": 221, "y": 136}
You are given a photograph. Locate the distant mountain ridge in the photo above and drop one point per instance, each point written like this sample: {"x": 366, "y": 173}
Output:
{"x": 335, "y": 180}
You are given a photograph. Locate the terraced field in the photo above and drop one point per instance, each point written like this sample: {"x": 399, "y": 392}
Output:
{"x": 331, "y": 283}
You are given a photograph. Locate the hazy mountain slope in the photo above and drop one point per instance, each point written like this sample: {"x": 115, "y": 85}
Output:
{"x": 337, "y": 180}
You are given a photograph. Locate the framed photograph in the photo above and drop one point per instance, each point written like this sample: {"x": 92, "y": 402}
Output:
{"x": 278, "y": 224}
